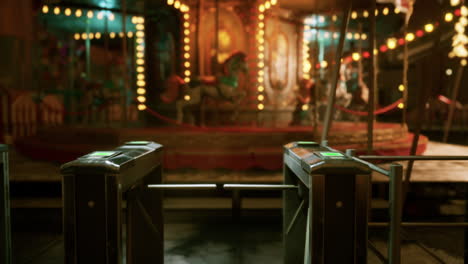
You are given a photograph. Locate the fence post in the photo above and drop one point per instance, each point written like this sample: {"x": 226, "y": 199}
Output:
{"x": 5, "y": 227}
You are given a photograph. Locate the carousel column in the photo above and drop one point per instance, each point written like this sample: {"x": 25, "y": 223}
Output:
{"x": 125, "y": 89}
{"x": 336, "y": 72}
{"x": 5, "y": 228}
{"x": 373, "y": 81}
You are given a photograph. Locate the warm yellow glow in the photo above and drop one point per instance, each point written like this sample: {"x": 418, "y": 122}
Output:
{"x": 186, "y": 47}
{"x": 170, "y": 2}
{"x": 267, "y": 5}
{"x": 261, "y": 97}
{"x": 140, "y": 48}
{"x": 187, "y": 55}
{"x": 140, "y": 61}
{"x": 464, "y": 11}
{"x": 326, "y": 35}
{"x": 100, "y": 15}
{"x": 363, "y": 36}
{"x": 385, "y": 11}
{"x": 334, "y": 18}
{"x": 121, "y": 34}
{"x": 354, "y": 15}
{"x": 261, "y": 64}
{"x": 397, "y": 10}
{"x": 91, "y": 36}
{"x": 139, "y": 40}
{"x": 376, "y": 51}
{"x": 324, "y": 64}
{"x": 187, "y": 97}
{"x": 186, "y": 32}
{"x": 401, "y": 105}
{"x": 140, "y": 54}
{"x": 184, "y": 8}
{"x": 260, "y": 88}
{"x": 186, "y": 16}
{"x": 141, "y": 91}
{"x": 261, "y": 40}
{"x": 356, "y": 56}
{"x": 68, "y": 12}
{"x": 261, "y": 48}
{"x": 140, "y": 76}
{"x": 57, "y": 10}
{"x": 129, "y": 34}
{"x": 376, "y": 12}
{"x": 392, "y": 43}
{"x": 357, "y": 36}
{"x": 141, "y": 99}
{"x": 141, "y": 83}
{"x": 111, "y": 17}
{"x": 141, "y": 20}
{"x": 261, "y": 73}
{"x": 186, "y": 24}
{"x": 260, "y": 79}
{"x": 261, "y": 25}
{"x": 141, "y": 107}
{"x": 305, "y": 107}
{"x": 187, "y": 64}
{"x": 84, "y": 36}
{"x": 187, "y": 72}
{"x": 97, "y": 35}
{"x": 429, "y": 28}
{"x": 409, "y": 37}
{"x": 134, "y": 19}
{"x": 448, "y": 72}
{"x": 112, "y": 35}
{"x": 274, "y": 2}
{"x": 261, "y": 16}
{"x": 463, "y": 62}
{"x": 140, "y": 27}
{"x": 140, "y": 69}
{"x": 261, "y": 8}
{"x": 349, "y": 35}
{"x": 186, "y": 40}
{"x": 401, "y": 87}
{"x": 177, "y": 4}
{"x": 260, "y": 106}
{"x": 448, "y": 17}
{"x": 261, "y": 56}
{"x": 78, "y": 13}
{"x": 76, "y": 36}
{"x": 140, "y": 34}
{"x": 90, "y": 14}
{"x": 261, "y": 32}
{"x": 45, "y": 9}
{"x": 335, "y": 35}
{"x": 187, "y": 79}
{"x": 454, "y": 2}
{"x": 365, "y": 13}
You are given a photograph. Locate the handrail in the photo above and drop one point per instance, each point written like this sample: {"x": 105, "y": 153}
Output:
{"x": 403, "y": 158}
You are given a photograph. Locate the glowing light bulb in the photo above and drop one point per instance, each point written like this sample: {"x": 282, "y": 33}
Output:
{"x": 261, "y": 97}
{"x": 357, "y": 36}
{"x": 141, "y": 91}
{"x": 354, "y": 15}
{"x": 141, "y": 107}
{"x": 129, "y": 34}
{"x": 261, "y": 8}
{"x": 267, "y": 5}
{"x": 356, "y": 56}
{"x": 187, "y": 64}
{"x": 401, "y": 105}
{"x": 57, "y": 10}
{"x": 448, "y": 17}
{"x": 365, "y": 13}
{"x": 68, "y": 12}
{"x": 91, "y": 35}
{"x": 409, "y": 37}
{"x": 261, "y": 16}
{"x": 187, "y": 97}
{"x": 140, "y": 76}
{"x": 121, "y": 34}
{"x": 140, "y": 27}
{"x": 392, "y": 43}
{"x": 363, "y": 36}
{"x": 84, "y": 36}
{"x": 111, "y": 17}
{"x": 186, "y": 48}
{"x": 177, "y": 4}
{"x": 274, "y": 2}
{"x": 463, "y": 62}
{"x": 385, "y": 11}
{"x": 324, "y": 64}
{"x": 76, "y": 36}
{"x": 187, "y": 73}
{"x": 100, "y": 15}
{"x": 260, "y": 88}
{"x": 141, "y": 99}
{"x": 448, "y": 72}
{"x": 397, "y": 10}
{"x": 305, "y": 107}
{"x": 429, "y": 28}
{"x": 170, "y": 2}
{"x": 140, "y": 61}
{"x": 186, "y": 16}
{"x": 97, "y": 35}
{"x": 134, "y": 20}
{"x": 112, "y": 35}
{"x": 454, "y": 2}
{"x": 187, "y": 79}
{"x": 45, "y": 9}
{"x": 401, "y": 87}
{"x": 140, "y": 69}
{"x": 78, "y": 13}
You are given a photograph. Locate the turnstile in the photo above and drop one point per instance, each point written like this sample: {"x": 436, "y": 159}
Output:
{"x": 95, "y": 187}
{"x": 325, "y": 221}
{"x": 5, "y": 228}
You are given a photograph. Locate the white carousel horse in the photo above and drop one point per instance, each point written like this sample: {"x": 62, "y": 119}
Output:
{"x": 224, "y": 87}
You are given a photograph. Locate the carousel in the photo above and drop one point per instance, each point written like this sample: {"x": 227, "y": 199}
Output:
{"x": 221, "y": 84}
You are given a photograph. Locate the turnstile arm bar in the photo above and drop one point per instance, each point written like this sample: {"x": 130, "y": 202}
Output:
{"x": 259, "y": 187}
{"x": 403, "y": 158}
{"x": 372, "y": 166}
{"x": 183, "y": 186}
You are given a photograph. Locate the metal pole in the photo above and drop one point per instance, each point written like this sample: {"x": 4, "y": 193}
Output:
{"x": 5, "y": 226}
{"x": 259, "y": 187}
{"x": 216, "y": 36}
{"x": 456, "y": 88}
{"x": 373, "y": 81}
{"x": 423, "y": 224}
{"x": 183, "y": 186}
{"x": 402, "y": 158}
{"x": 394, "y": 238}
{"x": 124, "y": 57}
{"x": 336, "y": 72}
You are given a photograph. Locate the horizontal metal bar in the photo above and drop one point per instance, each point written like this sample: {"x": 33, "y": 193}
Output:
{"x": 183, "y": 186}
{"x": 422, "y": 224}
{"x": 259, "y": 187}
{"x": 402, "y": 158}
{"x": 373, "y": 166}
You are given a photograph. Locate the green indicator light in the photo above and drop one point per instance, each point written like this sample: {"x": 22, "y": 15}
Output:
{"x": 102, "y": 153}
{"x": 331, "y": 154}
{"x": 306, "y": 143}
{"x": 138, "y": 142}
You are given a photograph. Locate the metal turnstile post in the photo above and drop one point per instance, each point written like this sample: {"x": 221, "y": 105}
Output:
{"x": 94, "y": 188}
{"x": 5, "y": 227}
{"x": 325, "y": 221}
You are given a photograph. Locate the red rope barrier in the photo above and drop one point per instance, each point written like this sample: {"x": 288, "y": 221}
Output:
{"x": 376, "y": 112}
{"x": 169, "y": 120}
{"x": 446, "y": 100}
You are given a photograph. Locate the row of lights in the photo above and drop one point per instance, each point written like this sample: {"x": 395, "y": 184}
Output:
{"x": 98, "y": 35}
{"x": 335, "y": 35}
{"x": 140, "y": 61}
{"x": 78, "y": 12}
{"x": 460, "y": 40}
{"x": 186, "y": 25}
{"x": 262, "y": 8}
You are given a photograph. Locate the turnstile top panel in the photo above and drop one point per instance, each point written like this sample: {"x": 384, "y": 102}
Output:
{"x": 113, "y": 160}
{"x": 315, "y": 158}
{"x": 3, "y": 148}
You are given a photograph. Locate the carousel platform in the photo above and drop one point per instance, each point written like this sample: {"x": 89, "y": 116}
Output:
{"x": 234, "y": 148}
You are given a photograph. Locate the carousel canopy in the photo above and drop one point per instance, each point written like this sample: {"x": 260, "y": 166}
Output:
{"x": 321, "y": 6}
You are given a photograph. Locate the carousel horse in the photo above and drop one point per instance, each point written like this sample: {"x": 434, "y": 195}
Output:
{"x": 224, "y": 87}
